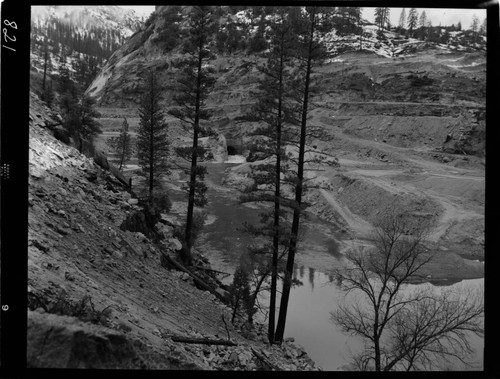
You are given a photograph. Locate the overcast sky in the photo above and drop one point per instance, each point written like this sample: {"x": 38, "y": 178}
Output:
{"x": 437, "y": 16}
{"x": 145, "y": 10}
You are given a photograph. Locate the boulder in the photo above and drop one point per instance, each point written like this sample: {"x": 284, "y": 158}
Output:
{"x": 174, "y": 244}
{"x": 165, "y": 231}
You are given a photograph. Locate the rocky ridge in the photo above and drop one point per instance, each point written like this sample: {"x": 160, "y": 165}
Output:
{"x": 82, "y": 263}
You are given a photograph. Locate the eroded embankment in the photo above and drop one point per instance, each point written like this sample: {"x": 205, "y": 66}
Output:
{"x": 359, "y": 203}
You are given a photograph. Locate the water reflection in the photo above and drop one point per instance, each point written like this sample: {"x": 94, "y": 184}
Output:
{"x": 311, "y": 277}
{"x": 312, "y": 300}
{"x": 301, "y": 271}
{"x": 309, "y": 320}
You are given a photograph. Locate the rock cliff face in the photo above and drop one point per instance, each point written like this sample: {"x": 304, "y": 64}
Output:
{"x": 99, "y": 295}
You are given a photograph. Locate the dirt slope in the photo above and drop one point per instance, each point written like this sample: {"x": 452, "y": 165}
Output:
{"x": 78, "y": 254}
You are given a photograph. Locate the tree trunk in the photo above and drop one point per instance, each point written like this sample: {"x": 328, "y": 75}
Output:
{"x": 377, "y": 354}
{"x": 254, "y": 298}
{"x": 121, "y": 163}
{"x": 287, "y": 282}
{"x": 235, "y": 309}
{"x": 123, "y": 154}
{"x": 277, "y": 193}
{"x": 151, "y": 144}
{"x": 187, "y": 256}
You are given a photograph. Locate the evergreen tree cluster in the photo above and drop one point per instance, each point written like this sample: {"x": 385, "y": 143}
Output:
{"x": 56, "y": 41}
{"x": 168, "y": 37}
{"x": 382, "y": 17}
{"x": 94, "y": 41}
{"x": 413, "y": 24}
{"x": 347, "y": 20}
{"x": 77, "y": 109}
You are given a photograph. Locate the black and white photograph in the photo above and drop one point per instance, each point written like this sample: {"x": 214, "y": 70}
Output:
{"x": 256, "y": 187}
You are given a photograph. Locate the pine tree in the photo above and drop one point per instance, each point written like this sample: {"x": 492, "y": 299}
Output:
{"x": 412, "y": 20}
{"x": 195, "y": 83}
{"x": 347, "y": 20}
{"x": 46, "y": 61}
{"x": 311, "y": 50}
{"x": 402, "y": 20}
{"x": 62, "y": 55}
{"x": 474, "y": 27}
{"x": 68, "y": 101}
{"x": 81, "y": 72}
{"x": 272, "y": 109}
{"x": 88, "y": 127}
{"x": 483, "y": 29}
{"x": 153, "y": 145}
{"x": 79, "y": 116}
{"x": 240, "y": 292}
{"x": 422, "y": 23}
{"x": 382, "y": 17}
{"x": 379, "y": 16}
{"x": 169, "y": 36}
{"x": 48, "y": 94}
{"x": 122, "y": 145}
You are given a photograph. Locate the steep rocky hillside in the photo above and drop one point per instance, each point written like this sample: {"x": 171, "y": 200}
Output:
{"x": 100, "y": 296}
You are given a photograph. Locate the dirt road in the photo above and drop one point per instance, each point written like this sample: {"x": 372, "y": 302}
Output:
{"x": 373, "y": 174}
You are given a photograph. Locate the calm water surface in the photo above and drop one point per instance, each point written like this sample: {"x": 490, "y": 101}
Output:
{"x": 310, "y": 304}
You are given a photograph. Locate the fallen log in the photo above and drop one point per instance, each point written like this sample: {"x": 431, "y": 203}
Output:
{"x": 203, "y": 341}
{"x": 196, "y": 278}
{"x": 266, "y": 361}
{"x": 212, "y": 270}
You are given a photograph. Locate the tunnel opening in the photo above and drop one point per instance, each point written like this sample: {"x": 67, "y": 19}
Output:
{"x": 232, "y": 150}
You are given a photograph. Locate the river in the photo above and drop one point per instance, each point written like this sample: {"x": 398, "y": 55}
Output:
{"x": 311, "y": 303}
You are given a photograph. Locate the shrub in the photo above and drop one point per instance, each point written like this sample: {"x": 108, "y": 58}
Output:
{"x": 62, "y": 135}
{"x": 157, "y": 203}
{"x": 82, "y": 309}
{"x": 199, "y": 218}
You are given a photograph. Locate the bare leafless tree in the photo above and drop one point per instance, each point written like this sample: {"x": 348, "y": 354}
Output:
{"x": 403, "y": 329}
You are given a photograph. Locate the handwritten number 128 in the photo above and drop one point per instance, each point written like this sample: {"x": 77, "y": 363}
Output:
{"x": 6, "y": 37}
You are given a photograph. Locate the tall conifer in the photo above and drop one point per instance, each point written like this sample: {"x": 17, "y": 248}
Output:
{"x": 310, "y": 50}
{"x": 195, "y": 83}
{"x": 272, "y": 110}
{"x": 153, "y": 144}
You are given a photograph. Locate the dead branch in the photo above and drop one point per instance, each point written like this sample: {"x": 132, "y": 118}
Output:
{"x": 266, "y": 361}
{"x": 212, "y": 270}
{"x": 225, "y": 325}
